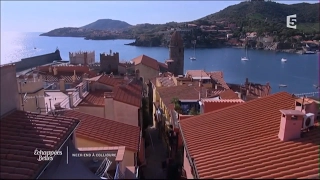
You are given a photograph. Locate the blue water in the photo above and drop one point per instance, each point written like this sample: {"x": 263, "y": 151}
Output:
{"x": 299, "y": 73}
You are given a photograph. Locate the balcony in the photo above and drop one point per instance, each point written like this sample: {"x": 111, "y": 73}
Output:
{"x": 186, "y": 107}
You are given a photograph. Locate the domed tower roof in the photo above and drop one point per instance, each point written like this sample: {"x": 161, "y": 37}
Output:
{"x": 176, "y": 39}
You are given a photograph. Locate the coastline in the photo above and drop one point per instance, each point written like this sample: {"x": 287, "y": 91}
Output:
{"x": 292, "y": 51}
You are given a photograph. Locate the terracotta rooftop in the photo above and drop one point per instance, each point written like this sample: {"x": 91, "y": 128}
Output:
{"x": 166, "y": 81}
{"x": 190, "y": 92}
{"x": 129, "y": 93}
{"x": 197, "y": 73}
{"x": 68, "y": 77}
{"x": 244, "y": 142}
{"x": 94, "y": 98}
{"x": 147, "y": 61}
{"x": 228, "y": 94}
{"x": 126, "y": 91}
{"x": 22, "y": 133}
{"x": 218, "y": 77}
{"x": 110, "y": 81}
{"x": 165, "y": 74}
{"x": 107, "y": 131}
{"x": 213, "y": 105}
{"x": 255, "y": 90}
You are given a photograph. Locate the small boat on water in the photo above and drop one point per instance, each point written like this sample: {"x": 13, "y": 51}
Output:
{"x": 193, "y": 58}
{"x": 244, "y": 59}
{"x": 310, "y": 52}
{"x": 283, "y": 60}
{"x": 282, "y": 85}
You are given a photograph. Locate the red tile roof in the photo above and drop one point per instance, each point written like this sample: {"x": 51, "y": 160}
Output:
{"x": 107, "y": 131}
{"x": 110, "y": 81}
{"x": 68, "y": 77}
{"x": 185, "y": 91}
{"x": 218, "y": 76}
{"x": 228, "y": 94}
{"x": 22, "y": 133}
{"x": 129, "y": 93}
{"x": 255, "y": 90}
{"x": 126, "y": 91}
{"x": 197, "y": 73}
{"x": 166, "y": 81}
{"x": 243, "y": 142}
{"x": 180, "y": 92}
{"x": 209, "y": 106}
{"x": 147, "y": 61}
{"x": 94, "y": 98}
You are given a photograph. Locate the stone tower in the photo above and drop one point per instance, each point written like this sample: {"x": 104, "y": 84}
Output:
{"x": 176, "y": 54}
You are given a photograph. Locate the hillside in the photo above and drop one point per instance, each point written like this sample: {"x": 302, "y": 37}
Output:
{"x": 266, "y": 16}
{"x": 107, "y": 24}
{"x": 101, "y": 26}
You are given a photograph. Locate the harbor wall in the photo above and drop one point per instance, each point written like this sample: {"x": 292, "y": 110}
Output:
{"x": 28, "y": 63}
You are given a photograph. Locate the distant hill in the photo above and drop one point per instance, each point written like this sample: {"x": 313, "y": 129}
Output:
{"x": 267, "y": 16}
{"x": 107, "y": 24}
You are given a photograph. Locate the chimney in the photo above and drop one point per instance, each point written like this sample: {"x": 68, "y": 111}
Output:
{"x": 109, "y": 106}
{"x": 50, "y": 69}
{"x": 70, "y": 94}
{"x": 110, "y": 52}
{"x": 290, "y": 125}
{"x": 62, "y": 85}
{"x": 55, "y": 70}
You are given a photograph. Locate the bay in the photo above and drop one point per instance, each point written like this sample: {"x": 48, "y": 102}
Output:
{"x": 299, "y": 73}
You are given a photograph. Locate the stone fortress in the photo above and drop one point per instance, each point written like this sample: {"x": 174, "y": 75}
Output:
{"x": 82, "y": 57}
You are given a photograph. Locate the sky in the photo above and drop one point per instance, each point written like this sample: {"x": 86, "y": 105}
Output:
{"x": 43, "y": 16}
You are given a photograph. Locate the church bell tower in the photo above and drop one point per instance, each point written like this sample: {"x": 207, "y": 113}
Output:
{"x": 176, "y": 54}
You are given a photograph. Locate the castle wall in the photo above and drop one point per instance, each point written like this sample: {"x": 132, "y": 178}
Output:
{"x": 28, "y": 63}
{"x": 83, "y": 58}
{"x": 109, "y": 62}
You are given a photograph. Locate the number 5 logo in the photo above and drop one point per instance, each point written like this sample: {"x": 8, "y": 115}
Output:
{"x": 292, "y": 21}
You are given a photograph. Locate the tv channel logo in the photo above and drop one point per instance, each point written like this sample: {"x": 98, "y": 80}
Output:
{"x": 292, "y": 21}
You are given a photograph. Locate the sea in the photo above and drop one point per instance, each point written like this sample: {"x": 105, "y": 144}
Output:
{"x": 300, "y": 73}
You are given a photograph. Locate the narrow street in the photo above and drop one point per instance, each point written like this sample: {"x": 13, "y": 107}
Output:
{"x": 155, "y": 155}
